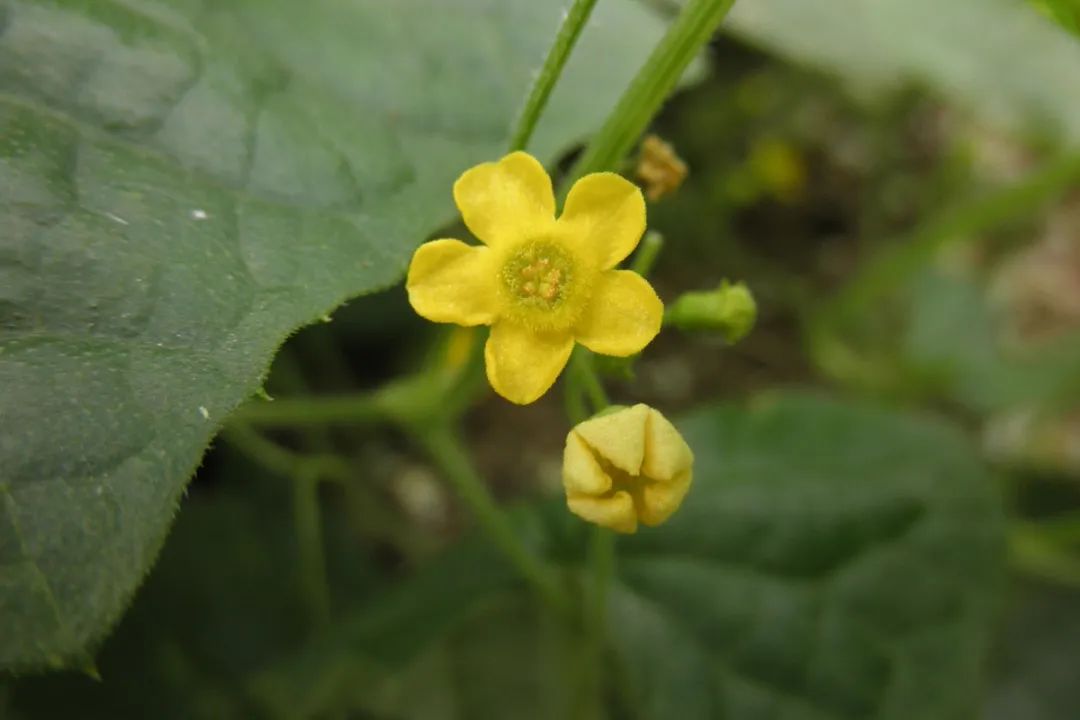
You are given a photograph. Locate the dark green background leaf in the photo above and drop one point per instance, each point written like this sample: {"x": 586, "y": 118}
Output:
{"x": 1036, "y": 672}
{"x": 1001, "y": 59}
{"x": 831, "y": 562}
{"x": 184, "y": 183}
{"x": 505, "y": 658}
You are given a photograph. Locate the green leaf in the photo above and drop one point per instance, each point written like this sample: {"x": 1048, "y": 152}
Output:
{"x": 1034, "y": 673}
{"x": 506, "y": 659}
{"x": 184, "y": 183}
{"x": 383, "y": 640}
{"x": 1001, "y": 58}
{"x": 831, "y": 561}
{"x": 224, "y": 596}
{"x": 1065, "y": 12}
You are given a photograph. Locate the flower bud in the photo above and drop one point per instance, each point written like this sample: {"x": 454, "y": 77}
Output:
{"x": 729, "y": 309}
{"x": 660, "y": 170}
{"x": 625, "y": 467}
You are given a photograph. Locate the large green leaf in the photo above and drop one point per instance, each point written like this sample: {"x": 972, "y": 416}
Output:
{"x": 504, "y": 659}
{"x": 831, "y": 562}
{"x": 224, "y": 595}
{"x": 1001, "y": 58}
{"x": 182, "y": 184}
{"x": 1035, "y": 672}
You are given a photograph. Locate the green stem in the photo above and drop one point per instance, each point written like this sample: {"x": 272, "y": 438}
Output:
{"x": 288, "y": 379}
{"x": 364, "y": 408}
{"x": 574, "y": 399}
{"x": 446, "y": 451}
{"x": 305, "y": 472}
{"x": 602, "y": 562}
{"x": 572, "y": 25}
{"x": 647, "y": 253}
{"x": 593, "y": 681}
{"x": 280, "y": 461}
{"x": 309, "y": 537}
{"x": 690, "y": 30}
{"x": 602, "y": 552}
{"x": 422, "y": 396}
{"x": 590, "y": 382}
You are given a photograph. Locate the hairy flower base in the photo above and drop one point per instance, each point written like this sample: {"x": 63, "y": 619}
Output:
{"x": 626, "y": 467}
{"x": 545, "y": 287}
{"x": 541, "y": 283}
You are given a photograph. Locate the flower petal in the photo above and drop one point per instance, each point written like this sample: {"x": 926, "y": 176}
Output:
{"x": 669, "y": 464}
{"x": 623, "y": 316}
{"x": 523, "y": 364}
{"x": 666, "y": 453}
{"x": 582, "y": 474}
{"x": 618, "y": 437}
{"x": 615, "y": 512}
{"x": 660, "y": 500}
{"x": 605, "y": 213}
{"x": 506, "y": 200}
{"x": 452, "y": 282}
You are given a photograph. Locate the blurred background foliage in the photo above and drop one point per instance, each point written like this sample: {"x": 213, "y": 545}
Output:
{"x": 901, "y": 196}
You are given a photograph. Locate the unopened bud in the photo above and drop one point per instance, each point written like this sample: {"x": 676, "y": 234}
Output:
{"x": 626, "y": 466}
{"x": 729, "y": 309}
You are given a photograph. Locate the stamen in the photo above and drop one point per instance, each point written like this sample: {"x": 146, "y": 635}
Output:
{"x": 539, "y": 275}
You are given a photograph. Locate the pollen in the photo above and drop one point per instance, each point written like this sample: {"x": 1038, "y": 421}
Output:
{"x": 538, "y": 275}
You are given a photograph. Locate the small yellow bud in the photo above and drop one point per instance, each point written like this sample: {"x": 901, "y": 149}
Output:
{"x": 660, "y": 170}
{"x": 626, "y": 466}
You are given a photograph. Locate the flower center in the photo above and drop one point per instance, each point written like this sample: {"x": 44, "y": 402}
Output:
{"x": 539, "y": 275}
{"x": 622, "y": 480}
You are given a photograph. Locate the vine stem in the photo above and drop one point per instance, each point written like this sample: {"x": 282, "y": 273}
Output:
{"x": 582, "y": 364}
{"x": 356, "y": 408}
{"x": 306, "y": 472}
{"x": 691, "y": 29}
{"x": 307, "y": 519}
{"x": 648, "y": 253}
{"x": 447, "y": 452}
{"x": 573, "y": 23}
{"x": 601, "y": 554}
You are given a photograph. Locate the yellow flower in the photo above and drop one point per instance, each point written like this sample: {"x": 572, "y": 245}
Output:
{"x": 627, "y": 466}
{"x": 540, "y": 282}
